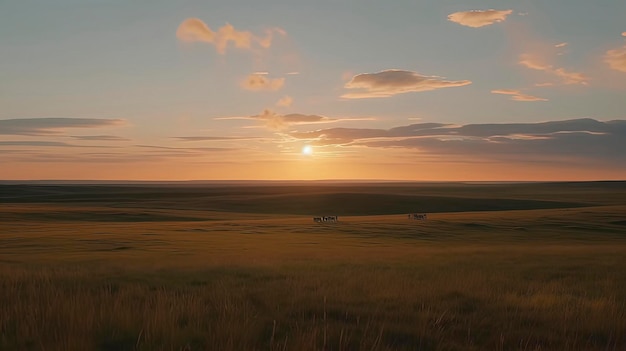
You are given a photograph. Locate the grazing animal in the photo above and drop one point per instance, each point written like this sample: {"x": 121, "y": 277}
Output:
{"x": 325, "y": 219}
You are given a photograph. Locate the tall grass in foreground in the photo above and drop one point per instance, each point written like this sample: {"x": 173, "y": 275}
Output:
{"x": 541, "y": 302}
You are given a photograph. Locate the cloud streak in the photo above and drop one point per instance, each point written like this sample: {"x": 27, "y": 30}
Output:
{"x": 216, "y": 138}
{"x": 195, "y": 30}
{"x": 51, "y": 126}
{"x": 99, "y": 138}
{"x": 517, "y": 95}
{"x": 392, "y": 82}
{"x": 479, "y": 18}
{"x": 566, "y": 77}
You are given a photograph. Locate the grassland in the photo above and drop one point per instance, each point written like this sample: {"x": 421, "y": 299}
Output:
{"x": 496, "y": 267}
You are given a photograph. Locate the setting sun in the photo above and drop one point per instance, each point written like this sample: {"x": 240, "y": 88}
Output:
{"x": 307, "y": 150}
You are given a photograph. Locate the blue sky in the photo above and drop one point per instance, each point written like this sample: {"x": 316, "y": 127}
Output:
{"x": 507, "y": 63}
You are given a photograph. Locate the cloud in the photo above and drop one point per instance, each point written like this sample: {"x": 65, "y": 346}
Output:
{"x": 275, "y": 121}
{"x": 560, "y": 45}
{"x": 583, "y": 141}
{"x": 216, "y": 138}
{"x": 391, "y": 82}
{"x": 258, "y": 82}
{"x": 36, "y": 143}
{"x": 50, "y": 126}
{"x": 616, "y": 59}
{"x": 266, "y": 42}
{"x": 479, "y": 18}
{"x": 517, "y": 95}
{"x": 285, "y": 101}
{"x": 194, "y": 29}
{"x": 99, "y": 137}
{"x": 566, "y": 77}
{"x": 186, "y": 149}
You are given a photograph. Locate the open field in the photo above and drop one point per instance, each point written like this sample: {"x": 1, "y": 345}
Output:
{"x": 242, "y": 267}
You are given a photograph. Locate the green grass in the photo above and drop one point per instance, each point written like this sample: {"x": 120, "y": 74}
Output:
{"x": 534, "y": 279}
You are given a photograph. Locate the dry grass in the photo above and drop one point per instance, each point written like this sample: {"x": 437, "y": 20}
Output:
{"x": 516, "y": 280}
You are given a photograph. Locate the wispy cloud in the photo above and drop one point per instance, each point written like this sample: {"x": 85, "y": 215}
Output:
{"x": 535, "y": 62}
{"x": 50, "y": 126}
{"x": 616, "y": 58}
{"x": 391, "y": 82}
{"x": 186, "y": 149}
{"x": 560, "y": 45}
{"x": 194, "y": 29}
{"x": 517, "y": 95}
{"x": 479, "y": 18}
{"x": 36, "y": 143}
{"x": 99, "y": 138}
{"x": 259, "y": 82}
{"x": 285, "y": 101}
{"x": 216, "y": 138}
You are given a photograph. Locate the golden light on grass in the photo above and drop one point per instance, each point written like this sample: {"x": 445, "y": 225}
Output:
{"x": 256, "y": 274}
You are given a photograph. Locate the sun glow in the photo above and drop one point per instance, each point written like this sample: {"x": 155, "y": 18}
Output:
{"x": 307, "y": 150}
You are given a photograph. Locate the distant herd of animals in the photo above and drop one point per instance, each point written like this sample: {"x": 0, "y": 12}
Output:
{"x": 325, "y": 219}
{"x": 333, "y": 219}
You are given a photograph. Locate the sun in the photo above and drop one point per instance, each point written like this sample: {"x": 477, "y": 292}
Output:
{"x": 307, "y": 150}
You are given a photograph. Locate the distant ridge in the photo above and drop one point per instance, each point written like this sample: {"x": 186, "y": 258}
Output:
{"x": 280, "y": 182}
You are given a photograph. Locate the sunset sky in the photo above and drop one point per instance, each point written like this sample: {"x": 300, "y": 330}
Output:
{"x": 341, "y": 89}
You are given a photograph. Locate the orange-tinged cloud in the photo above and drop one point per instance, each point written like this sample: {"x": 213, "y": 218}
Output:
{"x": 285, "y": 101}
{"x": 517, "y": 95}
{"x": 616, "y": 59}
{"x": 391, "y": 82}
{"x": 259, "y": 82}
{"x": 274, "y": 121}
{"x": 194, "y": 29}
{"x": 266, "y": 41}
{"x": 567, "y": 77}
{"x": 479, "y": 18}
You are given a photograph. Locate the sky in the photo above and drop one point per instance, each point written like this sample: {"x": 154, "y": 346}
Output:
{"x": 471, "y": 90}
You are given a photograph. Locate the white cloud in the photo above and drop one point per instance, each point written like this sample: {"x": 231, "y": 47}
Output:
{"x": 391, "y": 82}
{"x": 479, "y": 18}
